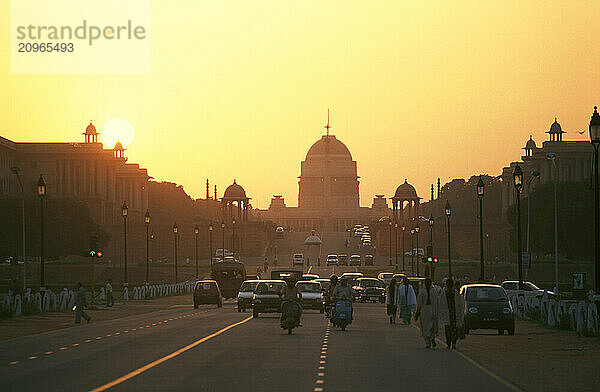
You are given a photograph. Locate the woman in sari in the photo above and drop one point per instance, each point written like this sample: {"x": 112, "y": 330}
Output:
{"x": 427, "y": 313}
{"x": 406, "y": 300}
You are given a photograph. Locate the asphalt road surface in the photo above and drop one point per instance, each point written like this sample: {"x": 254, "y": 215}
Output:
{"x": 212, "y": 349}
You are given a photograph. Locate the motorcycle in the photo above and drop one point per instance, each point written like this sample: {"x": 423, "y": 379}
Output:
{"x": 343, "y": 314}
{"x": 290, "y": 315}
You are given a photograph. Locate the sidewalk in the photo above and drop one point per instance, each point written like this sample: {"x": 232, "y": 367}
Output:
{"x": 537, "y": 358}
{"x": 44, "y": 322}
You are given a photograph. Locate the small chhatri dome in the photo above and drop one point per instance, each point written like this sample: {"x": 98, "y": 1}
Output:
{"x": 406, "y": 192}
{"x": 119, "y": 146}
{"x": 530, "y": 145}
{"x": 555, "y": 128}
{"x": 90, "y": 129}
{"x": 235, "y": 192}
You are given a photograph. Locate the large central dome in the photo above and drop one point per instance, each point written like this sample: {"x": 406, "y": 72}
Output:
{"x": 328, "y": 145}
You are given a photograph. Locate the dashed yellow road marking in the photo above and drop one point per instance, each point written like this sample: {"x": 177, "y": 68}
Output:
{"x": 75, "y": 344}
{"x": 13, "y": 362}
{"x": 62, "y": 348}
{"x": 32, "y": 357}
{"x": 88, "y": 340}
{"x": 166, "y": 358}
{"x": 49, "y": 352}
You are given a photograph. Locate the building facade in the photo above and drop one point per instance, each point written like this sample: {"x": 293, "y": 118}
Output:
{"x": 328, "y": 192}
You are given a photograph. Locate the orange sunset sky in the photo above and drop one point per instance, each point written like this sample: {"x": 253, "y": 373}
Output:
{"x": 417, "y": 89}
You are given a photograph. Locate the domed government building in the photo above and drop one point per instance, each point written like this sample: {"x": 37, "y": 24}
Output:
{"x": 328, "y": 192}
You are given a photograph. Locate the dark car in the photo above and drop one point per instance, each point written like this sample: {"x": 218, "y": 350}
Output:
{"x": 245, "y": 295}
{"x": 343, "y": 259}
{"x": 207, "y": 292}
{"x": 368, "y": 259}
{"x": 266, "y": 297}
{"x": 487, "y": 307}
{"x": 324, "y": 284}
{"x": 369, "y": 289}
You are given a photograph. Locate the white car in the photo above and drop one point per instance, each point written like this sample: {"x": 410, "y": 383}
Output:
{"x": 298, "y": 259}
{"x": 312, "y": 295}
{"x": 332, "y": 259}
{"x": 530, "y": 289}
{"x": 386, "y": 277}
{"x": 355, "y": 260}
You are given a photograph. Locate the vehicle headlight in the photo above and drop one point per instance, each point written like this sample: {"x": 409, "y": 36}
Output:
{"x": 473, "y": 310}
{"x": 506, "y": 311}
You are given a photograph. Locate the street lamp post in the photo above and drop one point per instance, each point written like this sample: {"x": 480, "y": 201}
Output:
{"x": 210, "y": 231}
{"x": 175, "y": 237}
{"x": 595, "y": 139}
{"x": 223, "y": 240}
{"x": 124, "y": 212}
{"x": 552, "y": 157}
{"x": 431, "y": 223}
{"x": 147, "y": 223}
{"x": 390, "y": 244}
{"x": 16, "y": 171}
{"x": 518, "y": 182}
{"x": 396, "y": 245}
{"x": 534, "y": 174}
{"x": 448, "y": 212}
{"x": 403, "y": 249}
{"x": 480, "y": 192}
{"x": 233, "y": 237}
{"x": 412, "y": 251}
{"x": 196, "y": 232}
{"x": 417, "y": 245}
{"x": 42, "y": 194}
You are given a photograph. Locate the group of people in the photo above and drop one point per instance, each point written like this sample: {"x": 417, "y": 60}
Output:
{"x": 433, "y": 307}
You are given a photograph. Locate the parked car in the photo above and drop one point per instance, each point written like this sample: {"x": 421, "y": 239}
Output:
{"x": 351, "y": 276}
{"x": 343, "y": 259}
{"x": 266, "y": 297}
{"x": 529, "y": 288}
{"x": 487, "y": 307}
{"x": 369, "y": 260}
{"x": 298, "y": 259}
{"x": 332, "y": 259}
{"x": 355, "y": 260}
{"x": 324, "y": 283}
{"x": 244, "y": 298}
{"x": 386, "y": 277}
{"x": 279, "y": 232}
{"x": 369, "y": 289}
{"x": 312, "y": 295}
{"x": 207, "y": 292}
{"x": 310, "y": 277}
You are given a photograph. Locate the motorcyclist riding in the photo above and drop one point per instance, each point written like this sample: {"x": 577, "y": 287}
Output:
{"x": 291, "y": 293}
{"x": 342, "y": 296}
{"x": 342, "y": 291}
{"x": 329, "y": 302}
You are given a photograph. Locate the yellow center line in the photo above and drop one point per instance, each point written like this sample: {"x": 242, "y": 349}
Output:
{"x": 149, "y": 366}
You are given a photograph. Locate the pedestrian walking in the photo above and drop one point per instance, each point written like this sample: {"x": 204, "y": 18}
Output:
{"x": 427, "y": 313}
{"x": 390, "y": 301}
{"x": 109, "y": 294}
{"x": 80, "y": 303}
{"x": 451, "y": 307}
{"x": 406, "y": 300}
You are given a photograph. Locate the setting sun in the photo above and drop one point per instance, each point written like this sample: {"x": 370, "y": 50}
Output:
{"x": 117, "y": 129}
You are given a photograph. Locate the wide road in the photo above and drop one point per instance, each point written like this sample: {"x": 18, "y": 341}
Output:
{"x": 213, "y": 349}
